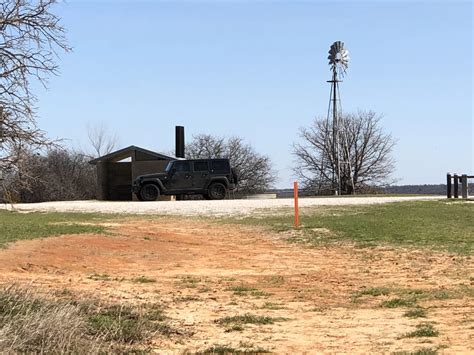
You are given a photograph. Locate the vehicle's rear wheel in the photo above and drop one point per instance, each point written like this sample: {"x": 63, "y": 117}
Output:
{"x": 149, "y": 192}
{"x": 217, "y": 191}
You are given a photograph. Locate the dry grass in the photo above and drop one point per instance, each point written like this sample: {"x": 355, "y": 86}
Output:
{"x": 31, "y": 324}
{"x": 43, "y": 324}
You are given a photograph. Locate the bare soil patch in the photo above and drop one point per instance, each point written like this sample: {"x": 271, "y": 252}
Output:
{"x": 322, "y": 299}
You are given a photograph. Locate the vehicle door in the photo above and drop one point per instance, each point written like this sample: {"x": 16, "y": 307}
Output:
{"x": 201, "y": 174}
{"x": 180, "y": 176}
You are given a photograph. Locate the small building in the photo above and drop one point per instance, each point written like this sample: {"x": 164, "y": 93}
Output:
{"x": 117, "y": 170}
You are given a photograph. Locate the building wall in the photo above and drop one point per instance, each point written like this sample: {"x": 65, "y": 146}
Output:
{"x": 114, "y": 179}
{"x": 101, "y": 167}
{"x": 141, "y": 156}
{"x": 119, "y": 181}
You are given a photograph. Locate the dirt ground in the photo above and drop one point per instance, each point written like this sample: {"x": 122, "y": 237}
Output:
{"x": 201, "y": 271}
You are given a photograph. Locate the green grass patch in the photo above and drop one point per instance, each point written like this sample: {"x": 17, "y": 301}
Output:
{"x": 272, "y": 306}
{"x": 417, "y": 312}
{"x": 241, "y": 289}
{"x": 260, "y": 293}
{"x": 144, "y": 280}
{"x": 274, "y": 280}
{"x": 100, "y": 277}
{"x": 189, "y": 282}
{"x": 249, "y": 319}
{"x": 373, "y": 291}
{"x": 457, "y": 292}
{"x": 397, "y": 302}
{"x": 188, "y": 298}
{"x": 118, "y": 323}
{"x": 406, "y": 297}
{"x": 422, "y": 351}
{"x": 125, "y": 324}
{"x": 227, "y": 349}
{"x": 438, "y": 225}
{"x": 246, "y": 290}
{"x": 21, "y": 226}
{"x": 234, "y": 328}
{"x": 423, "y": 330}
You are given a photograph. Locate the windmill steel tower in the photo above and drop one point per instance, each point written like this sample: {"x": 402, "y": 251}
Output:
{"x": 336, "y": 142}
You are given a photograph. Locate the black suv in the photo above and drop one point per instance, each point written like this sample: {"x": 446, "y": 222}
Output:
{"x": 212, "y": 178}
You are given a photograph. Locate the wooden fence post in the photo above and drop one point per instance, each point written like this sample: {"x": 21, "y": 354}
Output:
{"x": 456, "y": 186}
{"x": 448, "y": 184}
{"x": 297, "y": 212}
{"x": 464, "y": 188}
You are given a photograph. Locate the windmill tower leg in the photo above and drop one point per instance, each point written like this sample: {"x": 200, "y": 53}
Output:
{"x": 341, "y": 160}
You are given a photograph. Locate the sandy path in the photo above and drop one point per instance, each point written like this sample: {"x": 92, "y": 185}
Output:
{"x": 196, "y": 265}
{"x": 204, "y": 208}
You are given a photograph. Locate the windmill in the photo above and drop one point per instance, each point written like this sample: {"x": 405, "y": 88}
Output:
{"x": 336, "y": 143}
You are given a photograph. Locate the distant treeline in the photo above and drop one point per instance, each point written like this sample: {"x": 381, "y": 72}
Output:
{"x": 439, "y": 189}
{"x": 57, "y": 175}
{"x": 423, "y": 189}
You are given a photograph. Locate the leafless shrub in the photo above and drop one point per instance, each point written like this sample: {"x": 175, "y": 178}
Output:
{"x": 57, "y": 175}
{"x": 253, "y": 169}
{"x": 369, "y": 150}
{"x": 102, "y": 140}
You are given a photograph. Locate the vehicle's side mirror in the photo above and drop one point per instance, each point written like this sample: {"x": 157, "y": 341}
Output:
{"x": 173, "y": 171}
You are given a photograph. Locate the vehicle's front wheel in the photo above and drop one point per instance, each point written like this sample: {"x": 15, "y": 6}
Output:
{"x": 217, "y": 191}
{"x": 149, "y": 192}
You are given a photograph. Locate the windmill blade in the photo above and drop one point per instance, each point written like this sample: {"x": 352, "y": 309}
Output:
{"x": 338, "y": 57}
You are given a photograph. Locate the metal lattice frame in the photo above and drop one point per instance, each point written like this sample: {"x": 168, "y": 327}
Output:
{"x": 339, "y": 62}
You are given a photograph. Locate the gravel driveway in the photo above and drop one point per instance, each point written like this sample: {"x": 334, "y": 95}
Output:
{"x": 203, "y": 207}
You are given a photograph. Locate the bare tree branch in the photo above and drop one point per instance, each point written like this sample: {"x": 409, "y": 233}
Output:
{"x": 58, "y": 174}
{"x": 253, "y": 169}
{"x": 369, "y": 151}
{"x": 102, "y": 141}
{"x": 30, "y": 35}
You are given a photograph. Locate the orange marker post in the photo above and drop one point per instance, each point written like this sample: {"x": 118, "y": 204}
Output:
{"x": 297, "y": 212}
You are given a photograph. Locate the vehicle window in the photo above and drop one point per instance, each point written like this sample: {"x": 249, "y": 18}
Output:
{"x": 220, "y": 165}
{"x": 181, "y": 166}
{"x": 201, "y": 166}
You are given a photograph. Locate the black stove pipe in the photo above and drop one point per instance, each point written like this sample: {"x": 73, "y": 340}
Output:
{"x": 179, "y": 142}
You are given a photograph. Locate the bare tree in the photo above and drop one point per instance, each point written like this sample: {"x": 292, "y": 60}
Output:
{"x": 30, "y": 35}
{"x": 254, "y": 170}
{"x": 101, "y": 139}
{"x": 57, "y": 175}
{"x": 369, "y": 152}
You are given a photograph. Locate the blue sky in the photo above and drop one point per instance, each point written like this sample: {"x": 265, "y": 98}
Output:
{"x": 258, "y": 69}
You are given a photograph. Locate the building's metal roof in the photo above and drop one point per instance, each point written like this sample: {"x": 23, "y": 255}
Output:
{"x": 128, "y": 152}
